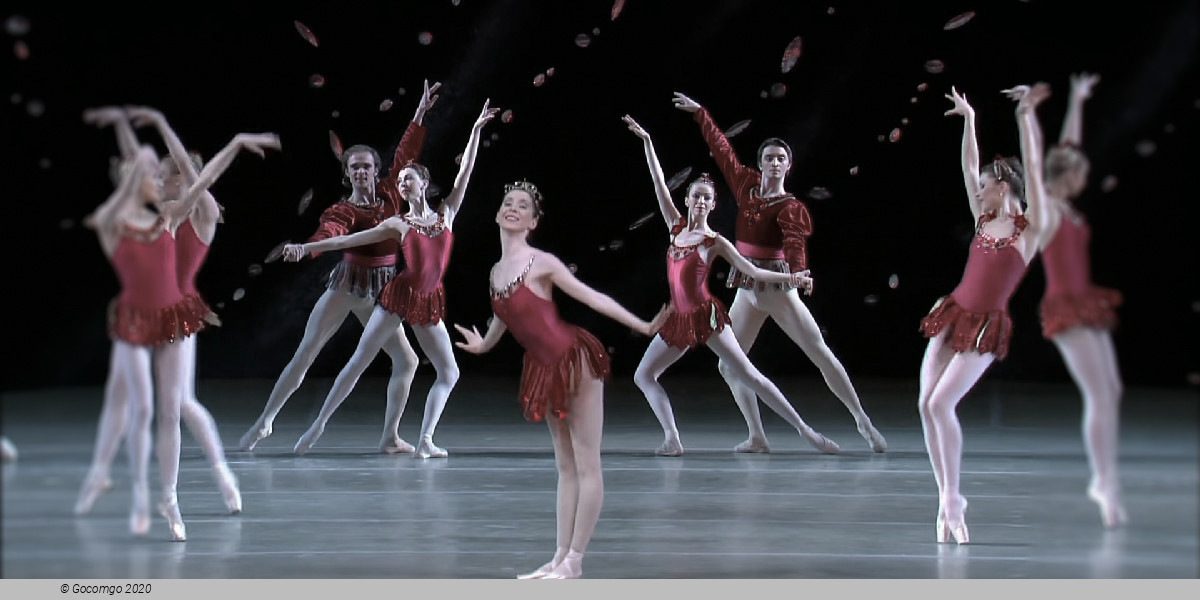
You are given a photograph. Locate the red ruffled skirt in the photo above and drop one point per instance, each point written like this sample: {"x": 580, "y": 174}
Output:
{"x": 157, "y": 326}
{"x": 968, "y": 331}
{"x": 413, "y": 306}
{"x": 1094, "y": 308}
{"x": 547, "y": 387}
{"x": 693, "y": 328}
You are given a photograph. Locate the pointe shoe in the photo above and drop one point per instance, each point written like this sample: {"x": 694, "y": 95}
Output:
{"x": 139, "y": 517}
{"x": 395, "y": 445}
{"x": 307, "y": 440}
{"x": 540, "y": 573}
{"x": 228, "y": 483}
{"x": 426, "y": 449}
{"x": 1112, "y": 512}
{"x": 253, "y": 437}
{"x": 670, "y": 447}
{"x": 872, "y": 435}
{"x": 92, "y": 488}
{"x": 170, "y": 512}
{"x": 753, "y": 446}
{"x": 820, "y": 442}
{"x": 571, "y": 567}
{"x": 8, "y": 452}
{"x": 949, "y": 525}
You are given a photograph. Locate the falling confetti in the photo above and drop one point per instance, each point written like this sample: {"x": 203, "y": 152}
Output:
{"x": 44, "y": 163}
{"x": 904, "y": 121}
{"x": 1145, "y": 148}
{"x": 220, "y": 305}
{"x": 677, "y": 179}
{"x": 894, "y": 281}
{"x": 721, "y": 275}
{"x": 16, "y": 25}
{"x": 763, "y": 94}
{"x": 401, "y": 91}
{"x": 238, "y": 294}
{"x": 538, "y": 80}
{"x": 922, "y": 87}
{"x": 21, "y": 50}
{"x": 35, "y": 108}
{"x": 455, "y": 2}
{"x": 829, "y": 11}
{"x": 254, "y": 270}
{"x": 616, "y": 244}
{"x": 819, "y": 193}
{"x": 1108, "y": 184}
{"x": 602, "y": 247}
{"x": 791, "y": 54}
{"x": 335, "y": 144}
{"x": 778, "y": 90}
{"x": 616, "y": 9}
{"x": 425, "y": 38}
{"x": 737, "y": 128}
{"x": 573, "y": 267}
{"x": 550, "y": 72}
{"x": 958, "y": 21}
{"x": 913, "y": 100}
{"x": 506, "y": 116}
{"x": 612, "y": 350}
{"x": 486, "y": 143}
{"x": 335, "y": 114}
{"x": 305, "y": 200}
{"x": 495, "y": 136}
{"x": 881, "y": 137}
{"x": 582, "y": 40}
{"x": 307, "y": 34}
{"x": 276, "y": 253}
{"x": 894, "y": 136}
{"x": 458, "y": 159}
{"x": 595, "y": 31}
{"x": 642, "y": 220}
{"x": 317, "y": 80}
{"x": 871, "y": 300}
{"x": 854, "y": 170}
{"x": 934, "y": 66}
{"x": 386, "y": 105}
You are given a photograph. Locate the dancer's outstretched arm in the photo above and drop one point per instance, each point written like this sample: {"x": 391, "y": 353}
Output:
{"x": 454, "y": 200}
{"x": 111, "y": 115}
{"x": 391, "y": 228}
{"x": 477, "y": 344}
{"x": 970, "y": 150}
{"x": 564, "y": 279}
{"x": 726, "y": 250}
{"x": 257, "y": 143}
{"x": 670, "y": 214}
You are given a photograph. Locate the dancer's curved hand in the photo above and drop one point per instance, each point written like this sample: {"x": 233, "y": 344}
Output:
{"x": 635, "y": 128}
{"x": 474, "y": 340}
{"x": 961, "y": 106}
{"x": 258, "y": 143}
{"x": 142, "y": 116}
{"x": 659, "y": 320}
{"x": 685, "y": 104}
{"x": 487, "y": 114}
{"x": 428, "y": 98}
{"x": 1082, "y": 84}
{"x": 1028, "y": 97}
{"x": 294, "y": 252}
{"x": 803, "y": 280}
{"x": 104, "y": 116}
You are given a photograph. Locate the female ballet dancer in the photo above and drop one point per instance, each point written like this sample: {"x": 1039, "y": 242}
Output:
{"x": 137, "y": 232}
{"x": 190, "y": 251}
{"x": 697, "y": 317}
{"x": 971, "y": 327}
{"x": 564, "y": 367}
{"x": 772, "y": 233}
{"x": 415, "y": 295}
{"x": 1077, "y": 315}
{"x": 355, "y": 283}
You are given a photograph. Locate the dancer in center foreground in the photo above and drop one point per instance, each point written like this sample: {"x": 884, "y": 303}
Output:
{"x": 971, "y": 327}
{"x": 772, "y": 233}
{"x": 564, "y": 370}
{"x": 356, "y": 281}
{"x": 697, "y": 317}
{"x": 414, "y": 296}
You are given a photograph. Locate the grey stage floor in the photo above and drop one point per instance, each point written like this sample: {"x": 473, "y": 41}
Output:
{"x": 488, "y": 511}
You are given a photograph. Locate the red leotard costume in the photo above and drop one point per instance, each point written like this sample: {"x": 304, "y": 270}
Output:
{"x": 416, "y": 294}
{"x": 150, "y": 311}
{"x": 365, "y": 270}
{"x": 772, "y": 233}
{"x": 975, "y": 315}
{"x": 696, "y": 314}
{"x": 190, "y": 253}
{"x": 1071, "y": 300}
{"x": 554, "y": 349}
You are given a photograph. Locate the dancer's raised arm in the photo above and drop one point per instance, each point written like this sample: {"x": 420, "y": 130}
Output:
{"x": 1042, "y": 216}
{"x": 454, "y": 200}
{"x": 119, "y": 119}
{"x": 970, "y": 150}
{"x": 670, "y": 214}
{"x": 732, "y": 169}
{"x": 1081, "y": 90}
